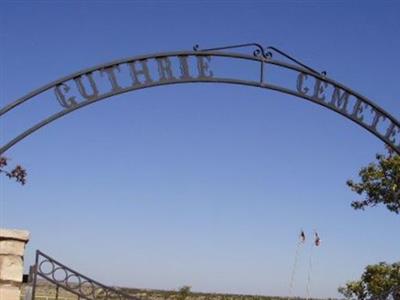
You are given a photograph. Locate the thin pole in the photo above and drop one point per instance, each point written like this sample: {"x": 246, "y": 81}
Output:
{"x": 35, "y": 269}
{"x": 296, "y": 258}
{"x": 315, "y": 244}
{"x": 262, "y": 72}
{"x": 308, "y": 291}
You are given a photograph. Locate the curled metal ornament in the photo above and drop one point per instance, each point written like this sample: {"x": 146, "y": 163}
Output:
{"x": 265, "y": 53}
{"x": 258, "y": 52}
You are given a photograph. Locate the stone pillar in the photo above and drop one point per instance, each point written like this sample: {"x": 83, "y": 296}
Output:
{"x": 12, "y": 247}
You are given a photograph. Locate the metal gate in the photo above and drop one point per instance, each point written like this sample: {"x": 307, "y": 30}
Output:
{"x": 62, "y": 277}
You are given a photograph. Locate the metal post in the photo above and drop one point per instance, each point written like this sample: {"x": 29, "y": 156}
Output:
{"x": 35, "y": 275}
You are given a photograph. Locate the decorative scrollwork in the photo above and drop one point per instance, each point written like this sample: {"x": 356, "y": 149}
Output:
{"x": 258, "y": 52}
{"x": 265, "y": 53}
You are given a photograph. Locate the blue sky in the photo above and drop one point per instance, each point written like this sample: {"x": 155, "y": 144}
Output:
{"x": 201, "y": 185}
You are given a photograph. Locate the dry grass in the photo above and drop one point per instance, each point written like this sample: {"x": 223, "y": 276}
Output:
{"x": 47, "y": 291}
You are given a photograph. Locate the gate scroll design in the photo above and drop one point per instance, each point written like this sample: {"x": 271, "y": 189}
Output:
{"x": 72, "y": 281}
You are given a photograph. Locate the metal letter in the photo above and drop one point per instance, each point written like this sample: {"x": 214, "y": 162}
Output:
{"x": 338, "y": 100}
{"x": 184, "y": 67}
{"x": 319, "y": 89}
{"x": 82, "y": 89}
{"x": 135, "y": 72}
{"x": 377, "y": 117}
{"x": 110, "y": 71}
{"x": 391, "y": 133}
{"x": 357, "y": 109}
{"x": 300, "y": 84}
{"x": 67, "y": 103}
{"x": 164, "y": 69}
{"x": 203, "y": 67}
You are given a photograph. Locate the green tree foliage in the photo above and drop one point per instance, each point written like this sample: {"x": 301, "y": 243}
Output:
{"x": 377, "y": 282}
{"x": 380, "y": 183}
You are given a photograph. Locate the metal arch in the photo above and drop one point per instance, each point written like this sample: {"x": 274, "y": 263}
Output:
{"x": 259, "y": 55}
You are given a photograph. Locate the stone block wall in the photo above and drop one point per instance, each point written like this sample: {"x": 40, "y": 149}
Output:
{"x": 12, "y": 247}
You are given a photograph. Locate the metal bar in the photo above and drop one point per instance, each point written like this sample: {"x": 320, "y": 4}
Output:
{"x": 295, "y": 60}
{"x": 35, "y": 275}
{"x": 260, "y": 49}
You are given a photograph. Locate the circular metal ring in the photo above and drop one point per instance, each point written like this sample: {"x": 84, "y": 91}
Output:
{"x": 70, "y": 284}
{"x": 40, "y": 268}
{"x": 58, "y": 269}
